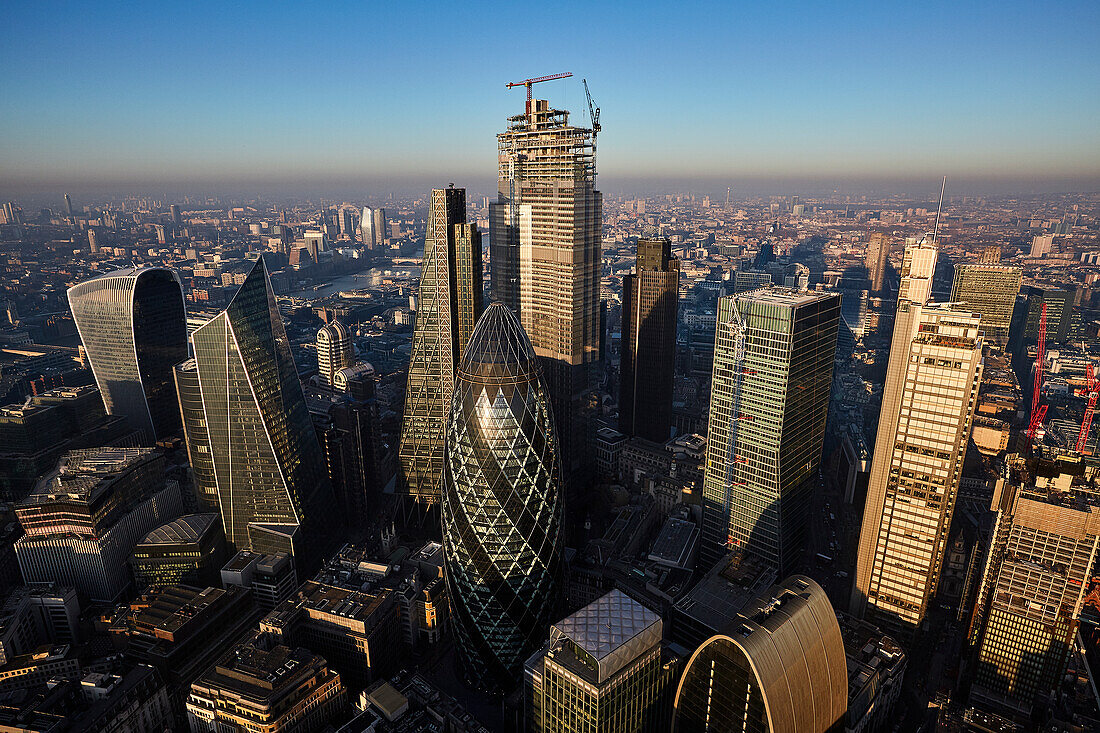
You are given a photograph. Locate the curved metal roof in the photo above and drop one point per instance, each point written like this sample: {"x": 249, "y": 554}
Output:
{"x": 791, "y": 641}
{"x": 188, "y": 528}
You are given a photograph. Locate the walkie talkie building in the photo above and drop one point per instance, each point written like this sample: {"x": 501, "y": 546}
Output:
{"x": 133, "y": 325}
{"x": 502, "y": 502}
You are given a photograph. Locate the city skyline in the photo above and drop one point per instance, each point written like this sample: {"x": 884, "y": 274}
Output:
{"x": 765, "y": 96}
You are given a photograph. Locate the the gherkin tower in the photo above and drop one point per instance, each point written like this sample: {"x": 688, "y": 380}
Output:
{"x": 502, "y": 501}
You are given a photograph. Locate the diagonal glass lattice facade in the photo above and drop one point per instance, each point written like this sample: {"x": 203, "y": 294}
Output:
{"x": 502, "y": 502}
{"x": 272, "y": 489}
{"x": 448, "y": 308}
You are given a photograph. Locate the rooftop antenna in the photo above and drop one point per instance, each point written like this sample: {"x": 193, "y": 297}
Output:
{"x": 936, "y": 231}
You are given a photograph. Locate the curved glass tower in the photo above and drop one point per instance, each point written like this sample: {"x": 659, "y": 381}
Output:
{"x": 133, "y": 326}
{"x": 502, "y": 501}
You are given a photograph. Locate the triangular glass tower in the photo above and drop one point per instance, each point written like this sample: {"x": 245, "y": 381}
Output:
{"x": 272, "y": 488}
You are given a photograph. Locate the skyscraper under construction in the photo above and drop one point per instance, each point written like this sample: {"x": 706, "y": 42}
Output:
{"x": 545, "y": 256}
{"x": 449, "y": 306}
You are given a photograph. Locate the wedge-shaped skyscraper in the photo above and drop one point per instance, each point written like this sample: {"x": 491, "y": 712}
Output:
{"x": 272, "y": 489}
{"x": 134, "y": 329}
{"x": 448, "y": 308}
{"x": 502, "y": 502}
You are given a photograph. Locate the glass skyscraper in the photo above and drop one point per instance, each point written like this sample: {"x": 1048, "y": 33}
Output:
{"x": 448, "y": 307}
{"x": 545, "y": 239}
{"x": 271, "y": 484}
{"x": 133, "y": 326}
{"x": 990, "y": 291}
{"x": 650, "y": 297}
{"x": 502, "y": 502}
{"x": 773, "y": 367}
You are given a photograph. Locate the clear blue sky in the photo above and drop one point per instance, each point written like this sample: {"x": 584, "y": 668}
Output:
{"x": 387, "y": 91}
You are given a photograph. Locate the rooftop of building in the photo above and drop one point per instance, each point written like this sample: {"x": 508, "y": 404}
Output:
{"x": 259, "y": 669}
{"x": 675, "y": 541}
{"x": 166, "y": 612}
{"x": 868, "y": 650}
{"x": 725, "y": 591}
{"x": 82, "y": 474}
{"x": 321, "y": 600}
{"x": 188, "y": 529}
{"x": 780, "y": 295}
{"x": 609, "y": 633}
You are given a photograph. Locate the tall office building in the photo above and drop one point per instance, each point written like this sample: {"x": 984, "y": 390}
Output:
{"x": 367, "y": 230}
{"x": 195, "y": 435}
{"x": 133, "y": 325}
{"x": 381, "y": 228}
{"x": 448, "y": 307}
{"x": 650, "y": 296}
{"x": 346, "y": 420}
{"x": 990, "y": 291}
{"x": 1059, "y": 307}
{"x": 177, "y": 219}
{"x": 1041, "y": 244}
{"x": 1040, "y": 566}
{"x": 334, "y": 351}
{"x": 545, "y": 234}
{"x": 68, "y": 206}
{"x": 600, "y": 673}
{"x": 780, "y": 666}
{"x": 269, "y": 476}
{"x": 773, "y": 366}
{"x": 878, "y": 251}
{"x": 502, "y": 502}
{"x": 928, "y": 403}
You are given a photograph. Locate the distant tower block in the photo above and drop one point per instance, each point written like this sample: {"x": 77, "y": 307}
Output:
{"x": 334, "y": 351}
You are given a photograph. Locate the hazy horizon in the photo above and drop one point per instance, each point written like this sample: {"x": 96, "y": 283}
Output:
{"x": 380, "y": 98}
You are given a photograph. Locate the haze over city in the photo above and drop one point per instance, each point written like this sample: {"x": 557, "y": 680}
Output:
{"x": 348, "y": 97}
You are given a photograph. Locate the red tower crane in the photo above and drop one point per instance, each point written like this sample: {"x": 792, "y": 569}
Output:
{"x": 528, "y": 82}
{"x": 1038, "y": 412}
{"x": 1092, "y": 387}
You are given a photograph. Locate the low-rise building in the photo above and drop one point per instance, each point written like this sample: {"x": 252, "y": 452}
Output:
{"x": 264, "y": 686}
{"x": 181, "y": 630}
{"x": 189, "y": 550}
{"x": 359, "y": 633}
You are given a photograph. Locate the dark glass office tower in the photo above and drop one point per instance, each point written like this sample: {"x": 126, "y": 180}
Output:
{"x": 650, "y": 296}
{"x": 448, "y": 308}
{"x": 502, "y": 502}
{"x": 273, "y": 492}
{"x": 203, "y": 478}
{"x": 134, "y": 329}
